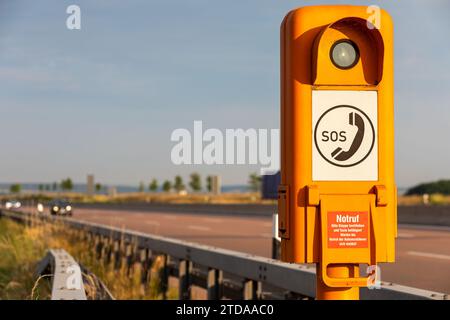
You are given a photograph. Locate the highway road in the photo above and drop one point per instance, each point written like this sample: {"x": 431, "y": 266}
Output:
{"x": 423, "y": 253}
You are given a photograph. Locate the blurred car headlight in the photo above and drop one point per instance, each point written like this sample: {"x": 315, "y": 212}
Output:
{"x": 55, "y": 208}
{"x": 68, "y": 208}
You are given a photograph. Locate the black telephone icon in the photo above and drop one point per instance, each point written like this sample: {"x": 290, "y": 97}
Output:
{"x": 356, "y": 120}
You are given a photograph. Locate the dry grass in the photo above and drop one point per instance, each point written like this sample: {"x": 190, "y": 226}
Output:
{"x": 434, "y": 199}
{"x": 22, "y": 247}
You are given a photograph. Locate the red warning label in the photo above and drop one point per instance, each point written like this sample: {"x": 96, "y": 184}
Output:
{"x": 348, "y": 229}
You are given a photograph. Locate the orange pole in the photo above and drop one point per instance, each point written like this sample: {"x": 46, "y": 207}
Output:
{"x": 323, "y": 292}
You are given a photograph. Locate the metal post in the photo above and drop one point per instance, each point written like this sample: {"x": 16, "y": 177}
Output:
{"x": 116, "y": 255}
{"x": 184, "y": 270}
{"x": 129, "y": 259}
{"x": 252, "y": 290}
{"x": 98, "y": 246}
{"x": 146, "y": 264}
{"x": 215, "y": 284}
{"x": 337, "y": 271}
{"x": 276, "y": 240}
{"x": 165, "y": 277}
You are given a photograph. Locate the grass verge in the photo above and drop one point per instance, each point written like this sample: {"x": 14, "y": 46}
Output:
{"x": 23, "y": 246}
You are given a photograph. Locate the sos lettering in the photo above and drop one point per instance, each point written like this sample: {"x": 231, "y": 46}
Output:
{"x": 334, "y": 136}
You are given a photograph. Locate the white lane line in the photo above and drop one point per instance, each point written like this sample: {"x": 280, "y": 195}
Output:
{"x": 429, "y": 255}
{"x": 199, "y": 228}
{"x": 153, "y": 223}
{"x": 405, "y": 235}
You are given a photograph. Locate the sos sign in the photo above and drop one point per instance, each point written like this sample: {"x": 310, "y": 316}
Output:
{"x": 344, "y": 137}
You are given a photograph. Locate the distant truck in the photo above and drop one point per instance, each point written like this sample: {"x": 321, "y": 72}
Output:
{"x": 270, "y": 182}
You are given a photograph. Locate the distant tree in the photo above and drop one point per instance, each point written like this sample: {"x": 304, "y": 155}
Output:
{"x": 47, "y": 187}
{"x": 153, "y": 187}
{"x": 167, "y": 186}
{"x": 179, "y": 185}
{"x": 98, "y": 187}
{"x": 255, "y": 182}
{"x": 15, "y": 188}
{"x": 196, "y": 182}
{"x": 209, "y": 183}
{"x": 41, "y": 187}
{"x": 441, "y": 186}
{"x": 66, "y": 184}
{"x": 54, "y": 186}
{"x": 141, "y": 187}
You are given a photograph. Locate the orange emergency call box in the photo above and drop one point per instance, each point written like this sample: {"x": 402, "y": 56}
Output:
{"x": 337, "y": 198}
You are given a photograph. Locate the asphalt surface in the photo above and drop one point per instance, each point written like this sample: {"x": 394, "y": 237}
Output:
{"x": 422, "y": 255}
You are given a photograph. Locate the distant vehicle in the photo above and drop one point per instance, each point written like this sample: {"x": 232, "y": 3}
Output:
{"x": 40, "y": 207}
{"x": 60, "y": 207}
{"x": 12, "y": 204}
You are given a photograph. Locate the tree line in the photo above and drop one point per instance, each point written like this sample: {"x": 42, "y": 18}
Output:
{"x": 178, "y": 185}
{"x": 441, "y": 186}
{"x": 64, "y": 185}
{"x": 195, "y": 184}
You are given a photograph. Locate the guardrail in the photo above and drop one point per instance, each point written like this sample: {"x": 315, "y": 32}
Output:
{"x": 222, "y": 272}
{"x": 438, "y": 215}
{"x": 67, "y": 279}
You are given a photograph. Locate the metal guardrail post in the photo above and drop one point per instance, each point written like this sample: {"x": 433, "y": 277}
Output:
{"x": 276, "y": 240}
{"x": 116, "y": 255}
{"x": 214, "y": 284}
{"x": 164, "y": 276}
{"x": 108, "y": 251}
{"x": 98, "y": 246}
{"x": 252, "y": 290}
{"x": 128, "y": 259}
{"x": 146, "y": 263}
{"x": 184, "y": 270}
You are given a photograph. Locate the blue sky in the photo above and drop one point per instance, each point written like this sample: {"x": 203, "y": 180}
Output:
{"x": 106, "y": 98}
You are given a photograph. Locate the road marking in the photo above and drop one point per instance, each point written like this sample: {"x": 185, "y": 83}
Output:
{"x": 153, "y": 223}
{"x": 199, "y": 228}
{"x": 406, "y": 235}
{"x": 429, "y": 255}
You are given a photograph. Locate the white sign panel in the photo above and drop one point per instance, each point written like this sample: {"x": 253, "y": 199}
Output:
{"x": 345, "y": 131}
